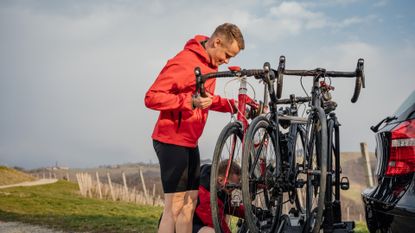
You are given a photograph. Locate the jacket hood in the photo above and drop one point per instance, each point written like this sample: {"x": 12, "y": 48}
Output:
{"x": 195, "y": 46}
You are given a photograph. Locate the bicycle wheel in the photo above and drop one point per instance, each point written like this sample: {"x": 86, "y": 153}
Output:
{"x": 228, "y": 150}
{"x": 293, "y": 182}
{"x": 333, "y": 165}
{"x": 260, "y": 164}
{"x": 298, "y": 164}
{"x": 316, "y": 170}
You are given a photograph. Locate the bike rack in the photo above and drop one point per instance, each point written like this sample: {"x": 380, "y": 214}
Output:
{"x": 294, "y": 224}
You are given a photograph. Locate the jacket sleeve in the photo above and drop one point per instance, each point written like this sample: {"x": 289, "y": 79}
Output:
{"x": 223, "y": 104}
{"x": 167, "y": 93}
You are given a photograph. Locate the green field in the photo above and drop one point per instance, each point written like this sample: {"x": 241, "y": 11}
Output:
{"x": 60, "y": 206}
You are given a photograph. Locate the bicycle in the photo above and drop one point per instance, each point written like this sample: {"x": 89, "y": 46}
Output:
{"x": 228, "y": 146}
{"x": 269, "y": 168}
{"x": 269, "y": 158}
{"x": 235, "y": 132}
{"x": 323, "y": 138}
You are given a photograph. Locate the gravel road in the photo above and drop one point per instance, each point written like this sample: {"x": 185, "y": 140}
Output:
{"x": 17, "y": 227}
{"x": 30, "y": 183}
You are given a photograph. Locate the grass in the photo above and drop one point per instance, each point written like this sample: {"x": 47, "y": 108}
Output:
{"x": 59, "y": 206}
{"x": 11, "y": 176}
{"x": 361, "y": 228}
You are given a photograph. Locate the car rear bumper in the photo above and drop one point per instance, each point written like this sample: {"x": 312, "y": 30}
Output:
{"x": 397, "y": 215}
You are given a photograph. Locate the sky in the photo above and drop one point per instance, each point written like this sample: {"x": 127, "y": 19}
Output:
{"x": 73, "y": 74}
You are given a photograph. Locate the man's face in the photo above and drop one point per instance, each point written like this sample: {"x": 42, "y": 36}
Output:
{"x": 223, "y": 51}
{"x": 233, "y": 179}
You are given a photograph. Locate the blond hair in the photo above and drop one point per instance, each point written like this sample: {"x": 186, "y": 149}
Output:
{"x": 230, "y": 32}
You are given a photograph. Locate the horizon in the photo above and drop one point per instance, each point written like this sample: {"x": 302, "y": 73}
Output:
{"x": 73, "y": 74}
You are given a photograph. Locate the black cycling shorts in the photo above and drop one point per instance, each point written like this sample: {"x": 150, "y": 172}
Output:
{"x": 179, "y": 167}
{"x": 197, "y": 224}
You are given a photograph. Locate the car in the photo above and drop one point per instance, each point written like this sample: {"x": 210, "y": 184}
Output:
{"x": 390, "y": 205}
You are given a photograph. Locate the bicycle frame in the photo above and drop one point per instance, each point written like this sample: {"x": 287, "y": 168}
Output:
{"x": 245, "y": 100}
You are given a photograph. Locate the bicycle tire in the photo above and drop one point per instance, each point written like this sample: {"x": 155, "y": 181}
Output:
{"x": 229, "y": 138}
{"x": 258, "y": 177}
{"x": 328, "y": 204}
{"x": 316, "y": 169}
{"x": 334, "y": 181}
{"x": 298, "y": 161}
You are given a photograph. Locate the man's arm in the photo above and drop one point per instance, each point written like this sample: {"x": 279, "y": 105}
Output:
{"x": 165, "y": 94}
{"x": 223, "y": 104}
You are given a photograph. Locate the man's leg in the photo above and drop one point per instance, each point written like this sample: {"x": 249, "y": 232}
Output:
{"x": 206, "y": 230}
{"x": 173, "y": 206}
{"x": 185, "y": 219}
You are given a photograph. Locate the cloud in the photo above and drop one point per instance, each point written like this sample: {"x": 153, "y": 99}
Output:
{"x": 338, "y": 2}
{"x": 289, "y": 19}
{"x": 381, "y": 3}
{"x": 354, "y": 20}
{"x": 73, "y": 74}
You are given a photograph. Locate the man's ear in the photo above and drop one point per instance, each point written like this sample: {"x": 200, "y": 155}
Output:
{"x": 220, "y": 180}
{"x": 217, "y": 42}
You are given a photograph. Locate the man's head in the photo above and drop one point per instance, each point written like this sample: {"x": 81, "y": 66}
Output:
{"x": 225, "y": 43}
{"x": 234, "y": 176}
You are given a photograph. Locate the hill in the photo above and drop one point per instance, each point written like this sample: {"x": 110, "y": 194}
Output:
{"x": 354, "y": 167}
{"x": 12, "y": 176}
{"x": 352, "y": 164}
{"x": 60, "y": 206}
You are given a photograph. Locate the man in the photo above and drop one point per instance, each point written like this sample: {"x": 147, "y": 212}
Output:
{"x": 183, "y": 117}
{"x": 202, "y": 221}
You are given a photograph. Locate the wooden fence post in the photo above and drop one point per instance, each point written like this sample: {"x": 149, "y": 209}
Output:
{"x": 99, "y": 186}
{"x": 110, "y": 184}
{"x": 125, "y": 195}
{"x": 89, "y": 180}
{"x": 78, "y": 178}
{"x": 348, "y": 213}
{"x": 144, "y": 184}
{"x": 365, "y": 154}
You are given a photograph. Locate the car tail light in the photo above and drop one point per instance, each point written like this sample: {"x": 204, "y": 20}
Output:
{"x": 402, "y": 149}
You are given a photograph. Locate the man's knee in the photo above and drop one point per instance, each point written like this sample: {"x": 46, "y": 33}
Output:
{"x": 174, "y": 205}
{"x": 189, "y": 206}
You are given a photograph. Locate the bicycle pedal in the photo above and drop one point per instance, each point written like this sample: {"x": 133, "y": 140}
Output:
{"x": 314, "y": 172}
{"x": 344, "y": 183}
{"x": 300, "y": 183}
{"x": 294, "y": 212}
{"x": 300, "y": 167}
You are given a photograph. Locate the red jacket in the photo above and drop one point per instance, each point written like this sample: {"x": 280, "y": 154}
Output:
{"x": 203, "y": 209}
{"x": 172, "y": 92}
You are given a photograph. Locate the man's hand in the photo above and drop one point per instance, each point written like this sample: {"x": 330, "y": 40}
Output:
{"x": 202, "y": 102}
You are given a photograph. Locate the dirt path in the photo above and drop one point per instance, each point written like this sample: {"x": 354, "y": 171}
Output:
{"x": 17, "y": 227}
{"x": 30, "y": 183}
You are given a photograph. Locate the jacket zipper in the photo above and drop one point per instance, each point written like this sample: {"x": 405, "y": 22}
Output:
{"x": 179, "y": 121}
